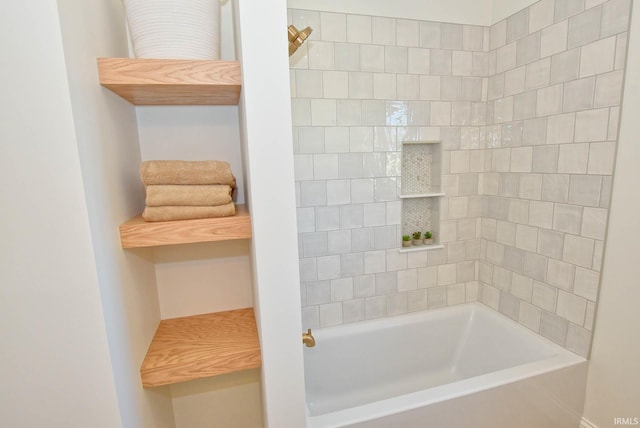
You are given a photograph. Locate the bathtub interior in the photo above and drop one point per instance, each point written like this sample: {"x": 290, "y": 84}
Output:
{"x": 356, "y": 364}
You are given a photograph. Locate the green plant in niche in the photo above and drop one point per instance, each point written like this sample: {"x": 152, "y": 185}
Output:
{"x": 406, "y": 238}
{"x": 428, "y": 235}
{"x": 417, "y": 235}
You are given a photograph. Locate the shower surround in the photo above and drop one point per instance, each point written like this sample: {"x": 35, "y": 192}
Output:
{"x": 527, "y": 114}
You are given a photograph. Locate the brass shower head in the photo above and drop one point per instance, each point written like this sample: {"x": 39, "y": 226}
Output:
{"x": 297, "y": 38}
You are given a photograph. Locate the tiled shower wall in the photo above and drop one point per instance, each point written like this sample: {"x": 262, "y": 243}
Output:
{"x": 360, "y": 87}
{"x": 556, "y": 72}
{"x": 527, "y": 113}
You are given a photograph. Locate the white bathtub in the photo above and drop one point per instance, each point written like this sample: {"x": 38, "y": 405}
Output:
{"x": 456, "y": 367}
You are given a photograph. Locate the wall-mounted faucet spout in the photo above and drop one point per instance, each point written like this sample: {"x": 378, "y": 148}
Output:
{"x": 308, "y": 339}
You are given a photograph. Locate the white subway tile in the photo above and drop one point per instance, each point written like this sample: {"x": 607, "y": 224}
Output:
{"x": 360, "y": 85}
{"x": 514, "y": 81}
{"x": 372, "y": 58}
{"x": 384, "y": 30}
{"x": 384, "y": 86}
{"x": 314, "y": 193}
{"x": 321, "y": 55}
{"x": 330, "y": 314}
{"x": 430, "y": 34}
{"x": 518, "y": 25}
{"x": 498, "y": 34}
{"x": 573, "y": 158}
{"x": 549, "y": 101}
{"x": 300, "y": 112}
{"x": 335, "y": 84}
{"x": 567, "y": 218}
{"x": 440, "y": 62}
{"x": 565, "y": 66}
{"x": 585, "y": 27}
{"x": 336, "y": 140}
{"x": 347, "y": 56}
{"x": 554, "y": 39}
{"x": 407, "y": 280}
{"x": 585, "y": 190}
{"x": 408, "y": 86}
{"x": 348, "y": 112}
{"x": 334, "y": 27}
{"x": 571, "y": 307}
{"x": 362, "y": 240}
{"x": 358, "y": 29}
{"x": 601, "y": 158}
{"x": 325, "y": 167}
{"x": 395, "y": 59}
{"x": 339, "y": 242}
{"x": 541, "y": 214}
{"x": 375, "y": 262}
{"x": 341, "y": 289}
{"x": 578, "y": 250}
{"x": 323, "y": 112}
{"x": 506, "y": 57}
{"x": 578, "y": 340}
{"x": 351, "y": 216}
{"x": 586, "y": 284}
{"x": 597, "y": 57}
{"x": 554, "y": 327}
{"x": 615, "y": 17}
{"x": 560, "y": 128}
{"x": 430, "y": 87}
{"x": 472, "y": 38}
{"x": 353, "y": 310}
{"x": 560, "y": 274}
{"x": 541, "y": 15}
{"x": 338, "y": 192}
{"x": 407, "y": 33}
{"x": 374, "y": 215}
{"x": 566, "y": 8}
{"x": 591, "y": 125}
{"x": 528, "y": 49}
{"x": 318, "y": 292}
{"x": 609, "y": 89}
{"x": 376, "y": 307}
{"x": 451, "y": 36}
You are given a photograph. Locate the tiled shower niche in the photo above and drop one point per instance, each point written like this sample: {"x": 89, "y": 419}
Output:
{"x": 421, "y": 190}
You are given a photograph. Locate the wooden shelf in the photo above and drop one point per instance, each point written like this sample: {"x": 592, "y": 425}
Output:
{"x": 137, "y": 233}
{"x": 201, "y": 346}
{"x": 172, "y": 82}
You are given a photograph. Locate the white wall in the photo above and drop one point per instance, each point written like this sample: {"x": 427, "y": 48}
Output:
{"x": 475, "y": 12}
{"x": 110, "y": 158}
{"x": 265, "y": 120}
{"x": 613, "y": 388}
{"x": 55, "y": 369}
{"x": 501, "y": 9}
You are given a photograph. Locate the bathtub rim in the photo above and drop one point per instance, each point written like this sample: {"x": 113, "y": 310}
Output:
{"x": 562, "y": 358}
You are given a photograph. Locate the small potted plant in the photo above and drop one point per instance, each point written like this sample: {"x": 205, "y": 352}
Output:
{"x": 428, "y": 238}
{"x": 417, "y": 238}
{"x": 406, "y": 240}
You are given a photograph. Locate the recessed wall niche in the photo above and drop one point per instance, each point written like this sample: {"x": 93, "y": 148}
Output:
{"x": 420, "y": 186}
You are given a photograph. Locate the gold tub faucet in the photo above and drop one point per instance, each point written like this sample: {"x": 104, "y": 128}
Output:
{"x": 308, "y": 339}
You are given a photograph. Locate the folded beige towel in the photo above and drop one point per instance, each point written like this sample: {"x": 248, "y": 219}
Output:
{"x": 168, "y": 213}
{"x": 187, "y": 172}
{"x": 188, "y": 194}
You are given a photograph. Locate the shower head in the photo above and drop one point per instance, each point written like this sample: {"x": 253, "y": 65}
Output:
{"x": 297, "y": 38}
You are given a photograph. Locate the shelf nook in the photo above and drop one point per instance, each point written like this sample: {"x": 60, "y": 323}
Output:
{"x": 172, "y": 82}
{"x": 201, "y": 346}
{"x": 421, "y": 190}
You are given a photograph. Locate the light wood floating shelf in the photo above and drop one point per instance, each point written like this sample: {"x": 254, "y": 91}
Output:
{"x": 172, "y": 82}
{"x": 201, "y": 346}
{"x": 137, "y": 233}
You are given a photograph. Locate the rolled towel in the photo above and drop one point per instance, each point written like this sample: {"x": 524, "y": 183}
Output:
{"x": 188, "y": 194}
{"x": 187, "y": 172}
{"x": 169, "y": 213}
